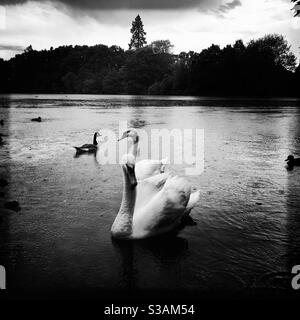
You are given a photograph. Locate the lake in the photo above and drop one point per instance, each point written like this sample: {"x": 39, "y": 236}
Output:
{"x": 246, "y": 230}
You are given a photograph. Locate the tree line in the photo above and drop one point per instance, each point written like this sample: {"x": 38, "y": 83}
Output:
{"x": 262, "y": 67}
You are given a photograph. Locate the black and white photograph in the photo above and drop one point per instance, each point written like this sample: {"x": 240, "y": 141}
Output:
{"x": 150, "y": 154}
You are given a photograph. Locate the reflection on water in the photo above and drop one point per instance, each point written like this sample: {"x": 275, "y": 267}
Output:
{"x": 293, "y": 192}
{"x": 246, "y": 230}
{"x": 149, "y": 259}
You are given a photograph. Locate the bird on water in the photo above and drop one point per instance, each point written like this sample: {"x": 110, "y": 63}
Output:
{"x": 89, "y": 148}
{"x": 292, "y": 161}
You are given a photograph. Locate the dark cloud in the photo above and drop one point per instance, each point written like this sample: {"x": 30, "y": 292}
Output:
{"x": 130, "y": 4}
{"x": 9, "y": 47}
{"x": 229, "y": 6}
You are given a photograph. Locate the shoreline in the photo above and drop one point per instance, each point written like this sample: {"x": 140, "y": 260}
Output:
{"x": 63, "y": 96}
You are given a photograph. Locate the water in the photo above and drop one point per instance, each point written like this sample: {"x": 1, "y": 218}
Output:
{"x": 247, "y": 227}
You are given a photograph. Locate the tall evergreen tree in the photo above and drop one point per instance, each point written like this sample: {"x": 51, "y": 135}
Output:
{"x": 138, "y": 39}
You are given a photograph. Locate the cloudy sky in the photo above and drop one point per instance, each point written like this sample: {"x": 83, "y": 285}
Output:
{"x": 189, "y": 24}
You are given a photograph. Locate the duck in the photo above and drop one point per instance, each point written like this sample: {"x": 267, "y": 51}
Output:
{"x": 147, "y": 167}
{"x": 89, "y": 148}
{"x": 2, "y": 122}
{"x": 151, "y": 207}
{"x": 292, "y": 161}
{"x": 38, "y": 119}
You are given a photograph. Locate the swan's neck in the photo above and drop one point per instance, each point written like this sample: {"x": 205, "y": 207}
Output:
{"x": 95, "y": 139}
{"x": 122, "y": 226}
{"x": 134, "y": 147}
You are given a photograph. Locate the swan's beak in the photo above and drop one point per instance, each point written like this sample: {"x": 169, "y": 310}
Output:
{"x": 124, "y": 135}
{"x": 131, "y": 174}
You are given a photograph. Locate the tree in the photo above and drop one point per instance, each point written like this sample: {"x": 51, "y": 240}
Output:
{"x": 70, "y": 80}
{"x": 143, "y": 67}
{"x": 112, "y": 82}
{"x": 138, "y": 39}
{"x": 28, "y": 49}
{"x": 277, "y": 48}
{"x": 161, "y": 46}
{"x": 239, "y": 45}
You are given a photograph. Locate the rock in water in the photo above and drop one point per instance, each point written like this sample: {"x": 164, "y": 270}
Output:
{"x": 3, "y": 183}
{"x": 12, "y": 205}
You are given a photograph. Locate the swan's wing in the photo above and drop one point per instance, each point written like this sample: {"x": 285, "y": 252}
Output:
{"x": 157, "y": 180}
{"x": 147, "y": 168}
{"x": 148, "y": 188}
{"x": 164, "y": 211}
{"x": 178, "y": 190}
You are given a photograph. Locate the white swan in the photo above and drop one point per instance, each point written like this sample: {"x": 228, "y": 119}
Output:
{"x": 153, "y": 206}
{"x": 147, "y": 167}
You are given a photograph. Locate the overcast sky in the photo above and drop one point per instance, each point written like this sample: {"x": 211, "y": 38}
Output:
{"x": 188, "y": 24}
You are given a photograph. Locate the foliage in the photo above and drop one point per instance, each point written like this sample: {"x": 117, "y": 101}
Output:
{"x": 161, "y": 46}
{"x": 263, "y": 67}
{"x": 277, "y": 48}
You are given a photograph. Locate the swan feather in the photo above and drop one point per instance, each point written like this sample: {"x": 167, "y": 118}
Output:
{"x": 164, "y": 211}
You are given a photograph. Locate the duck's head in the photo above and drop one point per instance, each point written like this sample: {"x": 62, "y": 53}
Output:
{"x": 290, "y": 158}
{"x": 130, "y": 133}
{"x": 128, "y": 165}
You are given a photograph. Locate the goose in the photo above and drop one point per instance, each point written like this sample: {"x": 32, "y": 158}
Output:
{"x": 153, "y": 206}
{"x": 147, "y": 167}
{"x": 88, "y": 148}
{"x": 292, "y": 161}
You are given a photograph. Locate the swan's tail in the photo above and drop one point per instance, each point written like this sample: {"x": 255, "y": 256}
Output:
{"x": 194, "y": 198}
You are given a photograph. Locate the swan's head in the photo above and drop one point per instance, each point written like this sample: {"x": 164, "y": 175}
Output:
{"x": 128, "y": 165}
{"x": 130, "y": 133}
